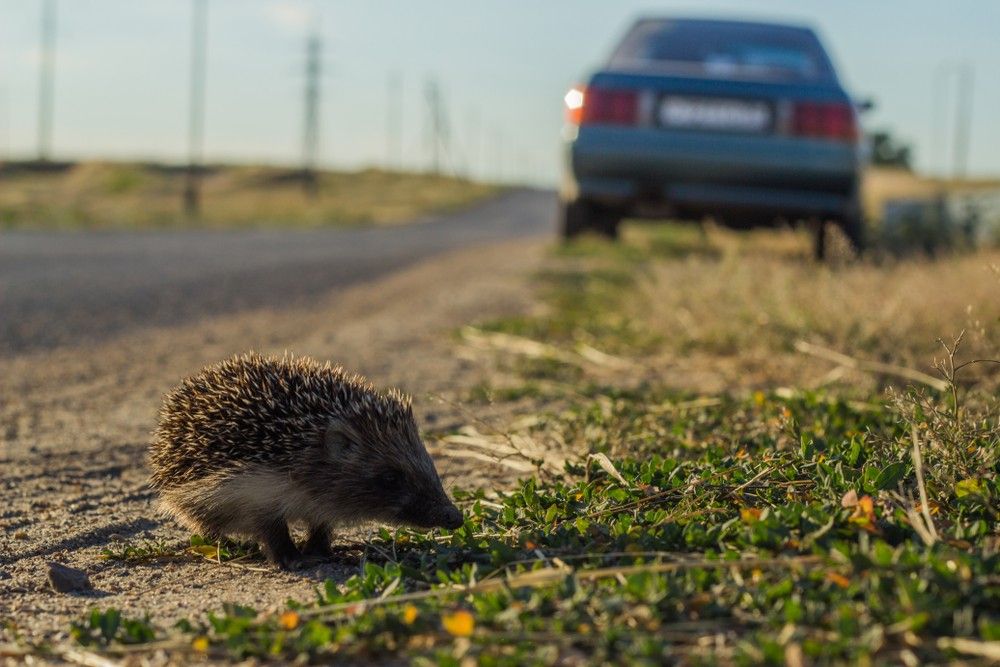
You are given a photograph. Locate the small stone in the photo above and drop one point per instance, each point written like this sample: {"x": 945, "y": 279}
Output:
{"x": 20, "y": 535}
{"x": 65, "y": 579}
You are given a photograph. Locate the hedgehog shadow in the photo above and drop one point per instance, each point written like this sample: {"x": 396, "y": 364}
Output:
{"x": 349, "y": 558}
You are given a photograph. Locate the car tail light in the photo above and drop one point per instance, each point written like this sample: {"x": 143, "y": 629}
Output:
{"x": 586, "y": 106}
{"x": 825, "y": 120}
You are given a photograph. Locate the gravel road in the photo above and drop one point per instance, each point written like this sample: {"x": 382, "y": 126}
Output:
{"x": 95, "y": 328}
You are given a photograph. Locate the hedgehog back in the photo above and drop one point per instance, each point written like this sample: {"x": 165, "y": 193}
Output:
{"x": 254, "y": 409}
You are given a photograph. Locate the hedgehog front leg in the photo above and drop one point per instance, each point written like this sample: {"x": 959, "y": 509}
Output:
{"x": 318, "y": 544}
{"x": 278, "y": 546}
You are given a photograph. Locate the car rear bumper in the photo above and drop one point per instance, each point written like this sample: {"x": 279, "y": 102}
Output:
{"x": 712, "y": 172}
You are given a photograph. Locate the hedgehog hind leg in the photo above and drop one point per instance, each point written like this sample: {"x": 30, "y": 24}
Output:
{"x": 318, "y": 544}
{"x": 190, "y": 516}
{"x": 277, "y": 544}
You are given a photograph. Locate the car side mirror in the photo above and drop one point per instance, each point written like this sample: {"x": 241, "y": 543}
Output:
{"x": 865, "y": 105}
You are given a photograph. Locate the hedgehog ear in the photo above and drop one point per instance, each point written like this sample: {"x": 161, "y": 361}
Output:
{"x": 335, "y": 440}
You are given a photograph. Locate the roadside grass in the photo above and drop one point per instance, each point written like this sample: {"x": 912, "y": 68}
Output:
{"x": 742, "y": 305}
{"x": 98, "y": 195}
{"x": 781, "y": 521}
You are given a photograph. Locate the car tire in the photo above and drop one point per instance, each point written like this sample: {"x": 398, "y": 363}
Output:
{"x": 581, "y": 216}
{"x": 851, "y": 226}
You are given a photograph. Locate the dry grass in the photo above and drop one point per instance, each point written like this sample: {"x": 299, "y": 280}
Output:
{"x": 131, "y": 196}
{"x": 730, "y": 310}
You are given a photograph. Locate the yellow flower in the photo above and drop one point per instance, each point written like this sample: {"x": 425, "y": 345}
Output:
{"x": 459, "y": 624}
{"x": 289, "y": 620}
{"x": 409, "y": 614}
{"x": 838, "y": 579}
{"x": 200, "y": 644}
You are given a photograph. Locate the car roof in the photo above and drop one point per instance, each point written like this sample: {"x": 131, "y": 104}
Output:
{"x": 694, "y": 20}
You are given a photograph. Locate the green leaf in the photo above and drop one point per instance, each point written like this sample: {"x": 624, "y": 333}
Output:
{"x": 969, "y": 487}
{"x": 890, "y": 476}
{"x": 550, "y": 514}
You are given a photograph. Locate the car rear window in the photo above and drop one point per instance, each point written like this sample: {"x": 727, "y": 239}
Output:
{"x": 723, "y": 49}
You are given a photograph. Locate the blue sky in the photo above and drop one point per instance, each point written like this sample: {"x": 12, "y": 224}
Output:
{"x": 502, "y": 65}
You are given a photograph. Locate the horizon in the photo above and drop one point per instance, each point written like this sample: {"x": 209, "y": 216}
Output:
{"x": 502, "y": 75}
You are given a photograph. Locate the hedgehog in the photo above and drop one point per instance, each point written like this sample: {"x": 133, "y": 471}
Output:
{"x": 254, "y": 444}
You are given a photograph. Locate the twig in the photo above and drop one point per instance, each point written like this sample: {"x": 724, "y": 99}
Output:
{"x": 971, "y": 647}
{"x": 948, "y": 372}
{"x": 87, "y": 658}
{"x": 918, "y": 466}
{"x": 870, "y": 366}
{"x": 538, "y": 350}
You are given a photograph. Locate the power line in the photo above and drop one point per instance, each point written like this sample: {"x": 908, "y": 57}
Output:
{"x": 196, "y": 111}
{"x": 46, "y": 83}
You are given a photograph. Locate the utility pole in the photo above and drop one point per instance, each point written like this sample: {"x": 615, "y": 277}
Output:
{"x": 196, "y": 111}
{"x": 433, "y": 95}
{"x": 310, "y": 135}
{"x": 939, "y": 118}
{"x": 394, "y": 122}
{"x": 46, "y": 83}
{"x": 473, "y": 154}
{"x": 437, "y": 125}
{"x": 4, "y": 129}
{"x": 963, "y": 121}
{"x": 498, "y": 139}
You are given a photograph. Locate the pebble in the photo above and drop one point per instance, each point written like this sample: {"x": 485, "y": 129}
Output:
{"x": 65, "y": 579}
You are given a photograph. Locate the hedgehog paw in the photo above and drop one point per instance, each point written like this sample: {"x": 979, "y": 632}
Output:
{"x": 317, "y": 547}
{"x": 279, "y": 548}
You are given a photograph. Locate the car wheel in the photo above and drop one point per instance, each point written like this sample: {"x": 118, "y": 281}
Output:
{"x": 580, "y": 216}
{"x": 606, "y": 224}
{"x": 819, "y": 240}
{"x": 853, "y": 227}
{"x": 572, "y": 219}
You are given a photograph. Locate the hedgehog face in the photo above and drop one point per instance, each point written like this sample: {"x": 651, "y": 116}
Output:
{"x": 393, "y": 478}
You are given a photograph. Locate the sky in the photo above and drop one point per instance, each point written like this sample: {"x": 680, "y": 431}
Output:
{"x": 502, "y": 66}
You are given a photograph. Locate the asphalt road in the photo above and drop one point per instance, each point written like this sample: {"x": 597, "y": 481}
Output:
{"x": 59, "y": 288}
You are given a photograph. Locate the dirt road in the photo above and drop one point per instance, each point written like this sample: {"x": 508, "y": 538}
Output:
{"x": 119, "y": 322}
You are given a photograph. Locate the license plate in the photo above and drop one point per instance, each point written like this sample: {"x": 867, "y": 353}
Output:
{"x": 722, "y": 115}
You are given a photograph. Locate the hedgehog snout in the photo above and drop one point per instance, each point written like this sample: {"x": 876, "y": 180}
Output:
{"x": 445, "y": 515}
{"x": 436, "y": 514}
{"x": 452, "y": 518}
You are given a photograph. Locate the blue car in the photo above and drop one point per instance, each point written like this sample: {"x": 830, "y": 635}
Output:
{"x": 741, "y": 121}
